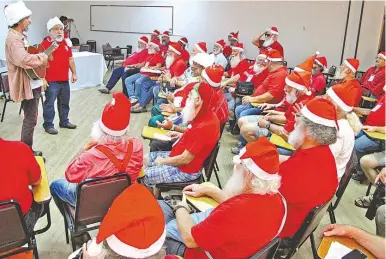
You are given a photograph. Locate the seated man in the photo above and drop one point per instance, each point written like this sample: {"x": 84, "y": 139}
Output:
{"x": 185, "y": 161}
{"x": 174, "y": 69}
{"x": 165, "y": 42}
{"x": 373, "y": 80}
{"x": 251, "y": 211}
{"x": 124, "y": 234}
{"x": 344, "y": 98}
{"x": 154, "y": 61}
{"x": 20, "y": 171}
{"x": 375, "y": 122}
{"x": 219, "y": 58}
{"x": 233, "y": 38}
{"x": 110, "y": 151}
{"x": 318, "y": 84}
{"x": 269, "y": 87}
{"x": 347, "y": 72}
{"x": 185, "y": 54}
{"x": 130, "y": 66}
{"x": 252, "y": 127}
{"x": 309, "y": 175}
{"x": 268, "y": 40}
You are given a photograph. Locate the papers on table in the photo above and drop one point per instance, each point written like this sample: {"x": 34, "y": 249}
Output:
{"x": 154, "y": 71}
{"x": 337, "y": 251}
{"x": 162, "y": 137}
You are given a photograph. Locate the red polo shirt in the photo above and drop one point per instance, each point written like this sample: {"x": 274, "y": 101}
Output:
{"x": 219, "y": 106}
{"x": 136, "y": 58}
{"x": 377, "y": 114}
{"x": 273, "y": 84}
{"x": 199, "y": 139}
{"x": 184, "y": 92}
{"x": 308, "y": 179}
{"x": 227, "y": 51}
{"x": 164, "y": 49}
{"x": 185, "y": 55}
{"x": 151, "y": 61}
{"x": 59, "y": 66}
{"x": 238, "y": 227}
{"x": 258, "y": 79}
{"x": 178, "y": 67}
{"x": 240, "y": 69}
{"x": 276, "y": 45}
{"x": 318, "y": 83}
{"x": 289, "y": 113}
{"x": 374, "y": 80}
{"x": 19, "y": 171}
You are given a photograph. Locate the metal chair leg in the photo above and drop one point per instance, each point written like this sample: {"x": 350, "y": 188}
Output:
{"x": 369, "y": 189}
{"x": 73, "y": 242}
{"x": 21, "y": 108}
{"x": 332, "y": 217}
{"x": 313, "y": 247}
{"x": 5, "y": 105}
{"x": 66, "y": 230}
{"x": 216, "y": 166}
{"x": 218, "y": 179}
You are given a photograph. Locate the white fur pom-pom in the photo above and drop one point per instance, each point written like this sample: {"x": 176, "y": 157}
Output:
{"x": 317, "y": 52}
{"x": 94, "y": 249}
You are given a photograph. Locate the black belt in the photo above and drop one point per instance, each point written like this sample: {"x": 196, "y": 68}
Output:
{"x": 57, "y": 82}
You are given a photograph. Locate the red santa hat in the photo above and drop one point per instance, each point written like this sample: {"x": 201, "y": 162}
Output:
{"x": 220, "y": 43}
{"x": 166, "y": 33}
{"x": 144, "y": 40}
{"x": 201, "y": 46}
{"x": 15, "y": 12}
{"x": 307, "y": 64}
{"x": 274, "y": 55}
{"x": 183, "y": 40}
{"x": 238, "y": 46}
{"x": 352, "y": 64}
{"x": 155, "y": 43}
{"x": 345, "y": 95}
{"x": 273, "y": 30}
{"x": 133, "y": 227}
{"x": 382, "y": 55}
{"x": 234, "y": 35}
{"x": 300, "y": 81}
{"x": 213, "y": 75}
{"x": 321, "y": 61}
{"x": 261, "y": 158}
{"x": 321, "y": 111}
{"x": 156, "y": 32}
{"x": 115, "y": 118}
{"x": 175, "y": 47}
{"x": 263, "y": 54}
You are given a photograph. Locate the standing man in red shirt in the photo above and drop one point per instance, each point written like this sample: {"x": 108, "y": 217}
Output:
{"x": 186, "y": 159}
{"x": 20, "y": 171}
{"x": 268, "y": 40}
{"x": 318, "y": 82}
{"x": 57, "y": 78}
{"x": 373, "y": 80}
{"x": 308, "y": 177}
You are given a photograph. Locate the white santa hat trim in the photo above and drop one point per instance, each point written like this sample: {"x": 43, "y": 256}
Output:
{"x": 382, "y": 55}
{"x": 205, "y": 75}
{"x": 129, "y": 251}
{"x": 296, "y": 85}
{"x": 69, "y": 42}
{"x": 262, "y": 56}
{"x": 53, "y": 22}
{"x": 317, "y": 119}
{"x": 174, "y": 50}
{"x": 275, "y": 59}
{"x": 154, "y": 45}
{"x": 349, "y": 66}
{"x": 115, "y": 133}
{"x": 144, "y": 42}
{"x": 199, "y": 48}
{"x": 238, "y": 48}
{"x": 320, "y": 64}
{"x": 338, "y": 101}
{"x": 165, "y": 35}
{"x": 272, "y": 31}
{"x": 298, "y": 69}
{"x": 15, "y": 12}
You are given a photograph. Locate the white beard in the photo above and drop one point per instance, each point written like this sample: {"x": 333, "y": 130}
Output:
{"x": 290, "y": 97}
{"x": 296, "y": 138}
{"x": 235, "y": 60}
{"x": 258, "y": 69}
{"x": 96, "y": 132}
{"x": 342, "y": 74}
{"x": 169, "y": 61}
{"x": 59, "y": 38}
{"x": 189, "y": 111}
{"x": 268, "y": 42}
{"x": 236, "y": 183}
{"x": 151, "y": 51}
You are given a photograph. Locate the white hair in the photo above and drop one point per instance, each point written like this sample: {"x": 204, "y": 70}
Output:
{"x": 98, "y": 135}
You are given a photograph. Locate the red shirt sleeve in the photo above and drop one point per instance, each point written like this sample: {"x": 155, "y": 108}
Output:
{"x": 318, "y": 84}
{"x": 365, "y": 76}
{"x": 276, "y": 86}
{"x": 79, "y": 168}
{"x": 32, "y": 166}
{"x": 179, "y": 68}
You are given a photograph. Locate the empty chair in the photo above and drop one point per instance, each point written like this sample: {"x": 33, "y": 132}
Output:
{"x": 111, "y": 54}
{"x": 75, "y": 42}
{"x": 4, "y": 88}
{"x": 85, "y": 47}
{"x": 92, "y": 44}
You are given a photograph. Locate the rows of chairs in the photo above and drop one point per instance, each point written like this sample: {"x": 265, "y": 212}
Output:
{"x": 112, "y": 55}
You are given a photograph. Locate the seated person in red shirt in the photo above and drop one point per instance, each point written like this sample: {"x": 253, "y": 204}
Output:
{"x": 373, "y": 80}
{"x": 109, "y": 151}
{"x": 184, "y": 162}
{"x": 297, "y": 91}
{"x": 318, "y": 82}
{"x": 130, "y": 66}
{"x": 20, "y": 171}
{"x": 267, "y": 40}
{"x": 185, "y": 54}
{"x": 308, "y": 177}
{"x": 165, "y": 42}
{"x": 233, "y": 38}
{"x": 251, "y": 211}
{"x": 347, "y": 72}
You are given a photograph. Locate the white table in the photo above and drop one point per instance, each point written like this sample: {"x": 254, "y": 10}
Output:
{"x": 90, "y": 69}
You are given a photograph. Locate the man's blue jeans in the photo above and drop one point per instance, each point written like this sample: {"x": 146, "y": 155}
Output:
{"x": 246, "y": 110}
{"x": 63, "y": 191}
{"x": 364, "y": 145}
{"x": 146, "y": 92}
{"x": 59, "y": 91}
{"x": 132, "y": 82}
{"x": 120, "y": 73}
{"x": 156, "y": 91}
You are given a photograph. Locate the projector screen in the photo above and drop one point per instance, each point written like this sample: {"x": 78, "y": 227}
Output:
{"x": 131, "y": 19}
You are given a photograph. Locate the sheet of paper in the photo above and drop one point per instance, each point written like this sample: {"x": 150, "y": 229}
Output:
{"x": 162, "y": 137}
{"x": 151, "y": 71}
{"x": 337, "y": 251}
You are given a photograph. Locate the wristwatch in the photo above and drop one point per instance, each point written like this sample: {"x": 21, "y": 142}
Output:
{"x": 179, "y": 207}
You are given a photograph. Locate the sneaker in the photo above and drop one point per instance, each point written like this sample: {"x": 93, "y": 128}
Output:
{"x": 138, "y": 110}
{"x": 68, "y": 126}
{"x": 104, "y": 90}
{"x": 37, "y": 153}
{"x": 359, "y": 177}
{"x": 133, "y": 100}
{"x": 236, "y": 150}
{"x": 51, "y": 131}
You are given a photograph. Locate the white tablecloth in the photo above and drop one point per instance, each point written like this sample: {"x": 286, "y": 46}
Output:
{"x": 90, "y": 69}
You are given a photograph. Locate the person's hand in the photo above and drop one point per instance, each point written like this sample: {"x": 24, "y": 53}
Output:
{"x": 166, "y": 124}
{"x": 336, "y": 230}
{"x": 381, "y": 176}
{"x": 170, "y": 97}
{"x": 167, "y": 108}
{"x": 194, "y": 190}
{"x": 224, "y": 84}
{"x": 262, "y": 123}
{"x": 167, "y": 76}
{"x": 267, "y": 117}
{"x": 173, "y": 82}
{"x": 231, "y": 89}
{"x": 246, "y": 99}
{"x": 174, "y": 134}
{"x": 159, "y": 161}
{"x": 44, "y": 84}
{"x": 297, "y": 108}
{"x": 368, "y": 128}
{"x": 184, "y": 204}
{"x": 74, "y": 78}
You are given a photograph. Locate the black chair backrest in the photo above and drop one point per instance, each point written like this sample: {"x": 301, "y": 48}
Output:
{"x": 129, "y": 49}
{"x": 91, "y": 206}
{"x": 107, "y": 49}
{"x": 85, "y": 47}
{"x": 268, "y": 251}
{"x": 331, "y": 71}
{"x": 285, "y": 63}
{"x": 13, "y": 231}
{"x": 117, "y": 51}
{"x": 346, "y": 176}
{"x": 75, "y": 41}
{"x": 5, "y": 83}
{"x": 92, "y": 43}
{"x": 210, "y": 160}
{"x": 359, "y": 74}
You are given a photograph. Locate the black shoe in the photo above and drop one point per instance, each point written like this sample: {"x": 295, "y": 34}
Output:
{"x": 231, "y": 125}
{"x": 104, "y": 90}
{"x": 37, "y": 153}
{"x": 359, "y": 177}
{"x": 236, "y": 130}
{"x": 80, "y": 240}
{"x": 51, "y": 131}
{"x": 68, "y": 126}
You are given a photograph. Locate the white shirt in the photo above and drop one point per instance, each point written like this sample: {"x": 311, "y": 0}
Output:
{"x": 343, "y": 147}
{"x": 35, "y": 83}
{"x": 221, "y": 60}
